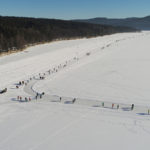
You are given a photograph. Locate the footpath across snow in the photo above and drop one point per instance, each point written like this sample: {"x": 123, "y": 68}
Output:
{"x": 110, "y": 69}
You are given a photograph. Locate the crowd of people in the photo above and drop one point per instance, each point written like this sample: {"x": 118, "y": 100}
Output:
{"x": 42, "y": 76}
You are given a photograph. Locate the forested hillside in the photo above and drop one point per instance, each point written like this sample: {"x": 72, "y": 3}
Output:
{"x": 18, "y": 32}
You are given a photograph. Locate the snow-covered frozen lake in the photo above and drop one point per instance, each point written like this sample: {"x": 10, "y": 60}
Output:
{"x": 113, "y": 69}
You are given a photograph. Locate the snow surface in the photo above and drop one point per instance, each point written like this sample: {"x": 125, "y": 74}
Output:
{"x": 116, "y": 71}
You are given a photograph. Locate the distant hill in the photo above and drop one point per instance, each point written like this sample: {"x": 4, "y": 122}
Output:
{"x": 18, "y": 32}
{"x": 138, "y": 23}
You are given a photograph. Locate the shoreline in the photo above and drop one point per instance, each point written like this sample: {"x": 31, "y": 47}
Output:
{"x": 40, "y": 43}
{"x": 56, "y": 40}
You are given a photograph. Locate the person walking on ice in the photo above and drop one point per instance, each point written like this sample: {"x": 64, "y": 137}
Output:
{"x": 148, "y": 111}
{"x": 20, "y": 98}
{"x": 26, "y": 99}
{"x": 118, "y": 106}
{"x": 40, "y": 96}
{"x": 132, "y": 106}
{"x": 112, "y": 106}
{"x": 102, "y": 104}
{"x": 73, "y": 101}
{"x": 36, "y": 97}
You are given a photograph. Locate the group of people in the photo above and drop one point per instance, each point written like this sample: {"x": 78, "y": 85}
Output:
{"x": 39, "y": 95}
{"x": 114, "y": 105}
{"x": 117, "y": 106}
{"x": 25, "y": 99}
{"x": 21, "y": 83}
{"x": 60, "y": 66}
{"x": 20, "y": 98}
{"x": 56, "y": 69}
{"x": 73, "y": 100}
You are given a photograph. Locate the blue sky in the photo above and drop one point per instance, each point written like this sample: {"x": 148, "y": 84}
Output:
{"x": 75, "y": 9}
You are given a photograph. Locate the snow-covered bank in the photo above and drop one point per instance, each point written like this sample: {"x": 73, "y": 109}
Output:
{"x": 117, "y": 70}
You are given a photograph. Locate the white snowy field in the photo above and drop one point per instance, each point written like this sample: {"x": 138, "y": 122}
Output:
{"x": 116, "y": 71}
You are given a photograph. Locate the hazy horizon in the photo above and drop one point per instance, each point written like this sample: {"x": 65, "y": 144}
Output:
{"x": 76, "y": 18}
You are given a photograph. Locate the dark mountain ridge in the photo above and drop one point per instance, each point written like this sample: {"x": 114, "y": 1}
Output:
{"x": 134, "y": 22}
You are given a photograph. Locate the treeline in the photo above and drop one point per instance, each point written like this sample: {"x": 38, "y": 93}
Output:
{"x": 19, "y": 32}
